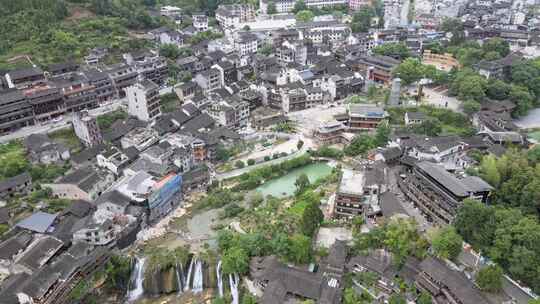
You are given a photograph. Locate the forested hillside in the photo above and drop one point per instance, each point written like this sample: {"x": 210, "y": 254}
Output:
{"x": 55, "y": 30}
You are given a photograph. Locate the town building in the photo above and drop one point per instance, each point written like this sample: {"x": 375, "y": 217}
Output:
{"x": 200, "y": 22}
{"x": 209, "y": 80}
{"x": 86, "y": 128}
{"x": 414, "y": 118}
{"x": 25, "y": 78}
{"x": 330, "y": 133}
{"x": 76, "y": 91}
{"x": 246, "y": 43}
{"x": 122, "y": 76}
{"x": 159, "y": 195}
{"x": 232, "y": 15}
{"x": 17, "y": 185}
{"x": 85, "y": 183}
{"x": 438, "y": 193}
{"x": 149, "y": 66}
{"x": 41, "y": 149}
{"x": 141, "y": 138}
{"x": 358, "y": 193}
{"x": 365, "y": 117}
{"x": 376, "y": 68}
{"x": 102, "y": 84}
{"x": 47, "y": 103}
{"x": 143, "y": 100}
{"x": 445, "y": 284}
{"x": 15, "y": 111}
{"x": 113, "y": 159}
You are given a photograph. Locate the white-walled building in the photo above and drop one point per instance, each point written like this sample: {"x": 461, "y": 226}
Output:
{"x": 143, "y": 100}
{"x": 86, "y": 128}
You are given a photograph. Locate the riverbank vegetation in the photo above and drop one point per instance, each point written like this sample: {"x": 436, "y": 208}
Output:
{"x": 439, "y": 122}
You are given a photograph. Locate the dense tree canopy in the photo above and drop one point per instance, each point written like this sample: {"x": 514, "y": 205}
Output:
{"x": 447, "y": 243}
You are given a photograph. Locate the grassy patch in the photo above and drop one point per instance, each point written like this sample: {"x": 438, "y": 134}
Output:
{"x": 105, "y": 121}
{"x": 169, "y": 102}
{"x": 12, "y": 159}
{"x": 68, "y": 138}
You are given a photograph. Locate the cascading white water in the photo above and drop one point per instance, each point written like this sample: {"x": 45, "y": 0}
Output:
{"x": 198, "y": 278}
{"x": 233, "y": 283}
{"x": 178, "y": 279}
{"x": 219, "y": 279}
{"x": 137, "y": 278}
{"x": 188, "y": 278}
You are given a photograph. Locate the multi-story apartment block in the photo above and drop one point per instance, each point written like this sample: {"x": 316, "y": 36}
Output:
{"x": 25, "y": 78}
{"x": 325, "y": 3}
{"x": 86, "y": 128}
{"x": 78, "y": 93}
{"x": 209, "y": 80}
{"x": 15, "y": 111}
{"x": 246, "y": 44}
{"x": 200, "y": 22}
{"x": 143, "y": 100}
{"x": 289, "y": 52}
{"x": 358, "y": 193}
{"x": 228, "y": 71}
{"x": 232, "y": 15}
{"x": 232, "y": 113}
{"x": 122, "y": 76}
{"x": 102, "y": 84}
{"x": 149, "y": 66}
{"x": 355, "y": 5}
{"x": 438, "y": 193}
{"x": 47, "y": 103}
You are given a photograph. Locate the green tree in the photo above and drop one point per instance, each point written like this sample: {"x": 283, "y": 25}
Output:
{"x": 299, "y": 249}
{"x": 304, "y": 16}
{"x": 397, "y": 299}
{"x": 424, "y": 298}
{"x": 235, "y": 260}
{"x": 523, "y": 100}
{"x": 456, "y": 28}
{"x": 497, "y": 89}
{"x": 430, "y": 127}
{"x": 382, "y": 135}
{"x": 489, "y": 171}
{"x": 471, "y": 106}
{"x": 447, "y": 243}
{"x": 239, "y": 164}
{"x": 490, "y": 278}
{"x": 475, "y": 223}
{"x": 251, "y": 162}
{"x": 271, "y": 9}
{"x": 300, "y": 6}
{"x": 362, "y": 19}
{"x": 312, "y": 217}
{"x": 360, "y": 144}
{"x": 249, "y": 299}
{"x": 301, "y": 183}
{"x": 473, "y": 88}
{"x": 410, "y": 71}
{"x": 169, "y": 50}
{"x": 397, "y": 50}
{"x": 497, "y": 45}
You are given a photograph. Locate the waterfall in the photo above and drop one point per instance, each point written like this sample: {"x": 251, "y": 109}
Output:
{"x": 219, "y": 279}
{"x": 198, "y": 278}
{"x": 188, "y": 278}
{"x": 233, "y": 282}
{"x": 137, "y": 278}
{"x": 178, "y": 279}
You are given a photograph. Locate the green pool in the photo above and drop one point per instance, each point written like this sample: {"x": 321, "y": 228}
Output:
{"x": 284, "y": 186}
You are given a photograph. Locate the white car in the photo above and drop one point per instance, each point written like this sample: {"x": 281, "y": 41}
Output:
{"x": 57, "y": 119}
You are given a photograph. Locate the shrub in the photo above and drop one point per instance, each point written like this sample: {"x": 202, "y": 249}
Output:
{"x": 251, "y": 162}
{"x": 239, "y": 164}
